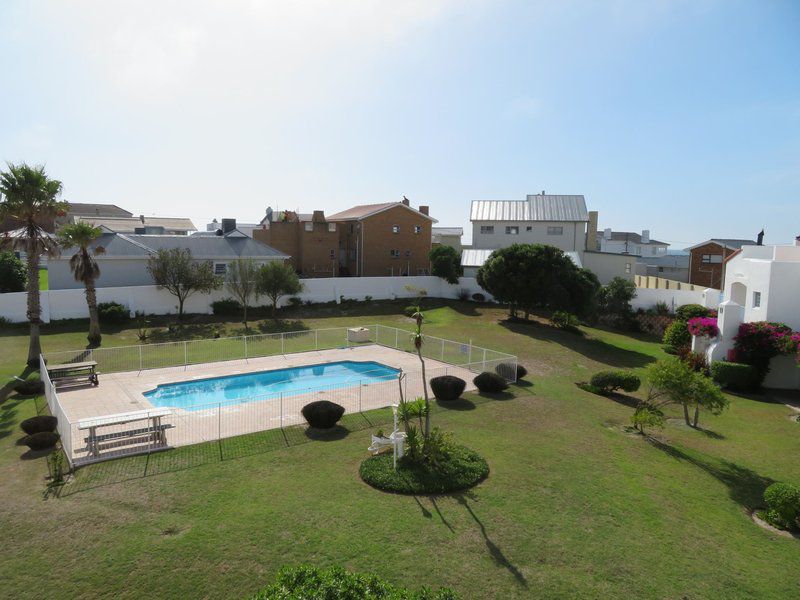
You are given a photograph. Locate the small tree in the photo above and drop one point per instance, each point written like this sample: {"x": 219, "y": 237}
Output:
{"x": 277, "y": 279}
{"x": 12, "y": 273}
{"x": 85, "y": 268}
{"x": 615, "y": 298}
{"x": 418, "y": 341}
{"x": 241, "y": 282}
{"x": 676, "y": 381}
{"x": 179, "y": 274}
{"x": 446, "y": 263}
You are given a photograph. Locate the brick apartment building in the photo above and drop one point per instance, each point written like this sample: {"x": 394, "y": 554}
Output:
{"x": 310, "y": 240}
{"x": 707, "y": 260}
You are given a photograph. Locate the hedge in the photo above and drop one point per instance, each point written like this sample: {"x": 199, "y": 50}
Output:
{"x": 113, "y": 313}
{"x": 511, "y": 372}
{"x": 783, "y": 505}
{"x": 611, "y": 381}
{"x": 735, "y": 376}
{"x": 42, "y": 440}
{"x": 39, "y": 424}
{"x": 31, "y": 386}
{"x": 322, "y": 414}
{"x": 490, "y": 383}
{"x": 447, "y": 387}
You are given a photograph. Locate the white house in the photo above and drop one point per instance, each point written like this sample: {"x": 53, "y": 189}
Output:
{"x": 447, "y": 236}
{"x": 630, "y": 242}
{"x": 672, "y": 266}
{"x": 762, "y": 283}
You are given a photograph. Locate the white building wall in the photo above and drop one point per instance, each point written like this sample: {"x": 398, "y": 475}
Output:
{"x": 573, "y": 238}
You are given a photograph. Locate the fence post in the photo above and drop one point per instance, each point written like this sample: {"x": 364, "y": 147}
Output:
{"x": 484, "y": 359}
{"x": 281, "y": 409}
{"x": 316, "y": 339}
{"x": 185, "y": 356}
{"x": 219, "y": 421}
{"x": 442, "y": 349}
{"x": 140, "y": 358}
{"x": 245, "y": 347}
{"x": 469, "y": 355}
{"x": 359, "y": 395}
{"x": 283, "y": 337}
{"x": 396, "y": 338}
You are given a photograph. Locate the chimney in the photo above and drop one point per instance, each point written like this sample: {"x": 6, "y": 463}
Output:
{"x": 424, "y": 210}
{"x": 228, "y": 225}
{"x": 542, "y": 192}
{"x": 406, "y": 201}
{"x": 141, "y": 218}
{"x": 645, "y": 236}
{"x": 591, "y": 231}
{"x": 607, "y": 233}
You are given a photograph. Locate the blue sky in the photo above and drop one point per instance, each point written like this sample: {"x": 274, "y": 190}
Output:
{"x": 678, "y": 117}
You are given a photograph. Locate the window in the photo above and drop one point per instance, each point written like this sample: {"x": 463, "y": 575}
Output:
{"x": 627, "y": 267}
{"x": 552, "y": 230}
{"x": 512, "y": 230}
{"x": 308, "y": 226}
{"x": 408, "y": 253}
{"x": 394, "y": 253}
{"x": 395, "y": 228}
{"x": 529, "y": 228}
{"x": 712, "y": 259}
{"x": 332, "y": 254}
{"x": 756, "y": 299}
{"x": 487, "y": 229}
{"x": 220, "y": 268}
{"x": 331, "y": 227}
{"x": 421, "y": 271}
{"x": 660, "y": 269}
{"x": 417, "y": 228}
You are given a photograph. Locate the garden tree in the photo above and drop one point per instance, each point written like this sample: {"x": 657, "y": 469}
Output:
{"x": 241, "y": 282}
{"x": 529, "y": 276}
{"x": 29, "y": 197}
{"x": 277, "y": 279}
{"x": 12, "y": 273}
{"x": 84, "y": 267}
{"x": 177, "y": 272}
{"x": 615, "y": 298}
{"x": 418, "y": 341}
{"x": 674, "y": 380}
{"x": 446, "y": 263}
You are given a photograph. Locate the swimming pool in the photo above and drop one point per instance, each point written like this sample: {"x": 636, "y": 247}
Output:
{"x": 197, "y": 394}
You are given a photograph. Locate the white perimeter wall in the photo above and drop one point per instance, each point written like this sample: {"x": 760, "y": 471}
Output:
{"x": 647, "y": 298}
{"x": 71, "y": 304}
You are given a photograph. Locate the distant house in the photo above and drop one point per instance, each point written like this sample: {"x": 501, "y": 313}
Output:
{"x": 706, "y": 260}
{"x": 141, "y": 224}
{"x": 74, "y": 211}
{"x": 672, "y": 266}
{"x": 310, "y": 240}
{"x": 245, "y": 228}
{"x": 447, "y": 236}
{"x": 629, "y": 242}
{"x": 124, "y": 260}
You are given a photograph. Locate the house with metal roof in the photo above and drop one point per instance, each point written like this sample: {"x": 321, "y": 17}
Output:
{"x": 123, "y": 257}
{"x": 141, "y": 224}
{"x": 630, "y": 242}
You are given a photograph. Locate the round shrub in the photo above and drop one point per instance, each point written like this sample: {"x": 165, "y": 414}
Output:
{"x": 31, "y": 386}
{"x": 735, "y": 376}
{"x": 510, "y": 372}
{"x": 611, "y": 381}
{"x": 783, "y": 505}
{"x": 490, "y": 383}
{"x": 42, "y": 440}
{"x": 458, "y": 468}
{"x": 226, "y": 307}
{"x": 690, "y": 311}
{"x": 677, "y": 335}
{"x": 322, "y": 414}
{"x": 39, "y": 424}
{"x": 447, "y": 387}
{"x": 113, "y": 313}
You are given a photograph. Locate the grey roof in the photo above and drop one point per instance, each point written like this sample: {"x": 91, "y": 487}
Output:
{"x": 675, "y": 261}
{"x": 447, "y": 231}
{"x": 537, "y": 207}
{"x": 731, "y": 243}
{"x": 629, "y": 236}
{"x": 130, "y": 224}
{"x": 122, "y": 245}
{"x": 85, "y": 209}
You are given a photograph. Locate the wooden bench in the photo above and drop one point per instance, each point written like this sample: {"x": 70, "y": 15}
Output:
{"x": 154, "y": 433}
{"x": 74, "y": 373}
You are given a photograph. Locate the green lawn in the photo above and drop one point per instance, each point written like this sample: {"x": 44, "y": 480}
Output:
{"x": 573, "y": 507}
{"x": 44, "y": 281}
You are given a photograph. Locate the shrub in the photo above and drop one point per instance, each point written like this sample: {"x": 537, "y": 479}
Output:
{"x": 226, "y": 307}
{"x": 759, "y": 342}
{"x": 696, "y": 361}
{"x": 310, "y": 582}
{"x": 670, "y": 350}
{"x": 113, "y": 313}
{"x": 32, "y": 386}
{"x": 735, "y": 376}
{"x": 677, "y": 335}
{"x": 478, "y": 297}
{"x": 783, "y": 505}
{"x": 39, "y": 424}
{"x": 42, "y": 440}
{"x": 690, "y": 311}
{"x": 611, "y": 381}
{"x": 511, "y": 372}
{"x": 490, "y": 383}
{"x": 447, "y": 387}
{"x": 703, "y": 326}
{"x": 646, "y": 416}
{"x": 322, "y": 414}
{"x": 564, "y": 320}
{"x": 661, "y": 308}
{"x": 13, "y": 276}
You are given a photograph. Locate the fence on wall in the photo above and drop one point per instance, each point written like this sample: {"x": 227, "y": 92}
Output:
{"x": 259, "y": 413}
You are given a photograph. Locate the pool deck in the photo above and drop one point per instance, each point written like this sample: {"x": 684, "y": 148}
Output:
{"x": 123, "y": 393}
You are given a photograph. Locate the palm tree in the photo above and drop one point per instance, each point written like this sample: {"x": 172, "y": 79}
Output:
{"x": 29, "y": 197}
{"x": 84, "y": 267}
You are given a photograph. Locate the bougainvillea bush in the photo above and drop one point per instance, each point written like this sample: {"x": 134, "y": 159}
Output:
{"x": 759, "y": 342}
{"x": 703, "y": 326}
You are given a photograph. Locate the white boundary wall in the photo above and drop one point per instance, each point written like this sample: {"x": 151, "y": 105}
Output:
{"x": 647, "y": 298}
{"x": 71, "y": 304}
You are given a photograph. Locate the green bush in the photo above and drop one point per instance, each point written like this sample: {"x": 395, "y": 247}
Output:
{"x": 783, "y": 505}
{"x": 647, "y": 416}
{"x": 113, "y": 313}
{"x": 226, "y": 307}
{"x": 611, "y": 381}
{"x": 13, "y": 276}
{"x": 735, "y": 376}
{"x": 447, "y": 387}
{"x": 677, "y": 335}
{"x": 312, "y": 583}
{"x": 42, "y": 440}
{"x": 410, "y": 311}
{"x": 39, "y": 424}
{"x": 478, "y": 297}
{"x": 510, "y": 372}
{"x": 32, "y": 386}
{"x": 564, "y": 320}
{"x": 490, "y": 383}
{"x": 322, "y": 414}
{"x": 690, "y": 311}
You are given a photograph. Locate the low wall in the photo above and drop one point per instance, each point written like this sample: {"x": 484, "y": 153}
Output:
{"x": 648, "y": 298}
{"x": 71, "y": 304}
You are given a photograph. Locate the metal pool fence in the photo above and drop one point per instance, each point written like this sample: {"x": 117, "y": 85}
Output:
{"x": 150, "y": 430}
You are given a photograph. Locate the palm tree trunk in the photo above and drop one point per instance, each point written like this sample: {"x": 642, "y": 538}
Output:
{"x": 427, "y": 401}
{"x": 34, "y": 303}
{"x": 94, "y": 336}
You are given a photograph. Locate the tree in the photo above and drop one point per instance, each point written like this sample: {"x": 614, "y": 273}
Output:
{"x": 277, "y": 279}
{"x": 418, "y": 341}
{"x": 446, "y": 263}
{"x": 529, "y": 276}
{"x": 177, "y": 272}
{"x": 12, "y": 273}
{"x": 676, "y": 381}
{"x": 84, "y": 267}
{"x": 241, "y": 282}
{"x": 615, "y": 298}
{"x": 29, "y": 197}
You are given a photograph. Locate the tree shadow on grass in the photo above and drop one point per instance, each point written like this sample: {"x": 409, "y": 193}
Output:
{"x": 745, "y": 487}
{"x": 623, "y": 399}
{"x": 457, "y": 404}
{"x": 8, "y": 416}
{"x": 592, "y": 348}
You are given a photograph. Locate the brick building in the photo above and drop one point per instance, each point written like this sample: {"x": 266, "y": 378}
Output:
{"x": 310, "y": 240}
{"x": 707, "y": 260}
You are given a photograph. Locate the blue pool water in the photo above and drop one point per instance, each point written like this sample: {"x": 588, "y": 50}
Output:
{"x": 193, "y": 395}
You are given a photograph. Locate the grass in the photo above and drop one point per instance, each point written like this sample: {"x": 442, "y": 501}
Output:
{"x": 44, "y": 279}
{"x": 573, "y": 507}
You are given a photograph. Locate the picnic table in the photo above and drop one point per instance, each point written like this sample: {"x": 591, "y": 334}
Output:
{"x": 153, "y": 433}
{"x": 77, "y": 372}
